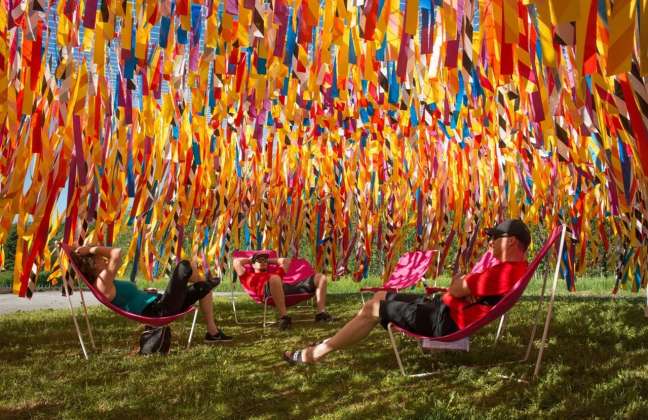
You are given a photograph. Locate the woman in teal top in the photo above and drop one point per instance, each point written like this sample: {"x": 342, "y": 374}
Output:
{"x": 99, "y": 264}
{"x": 130, "y": 298}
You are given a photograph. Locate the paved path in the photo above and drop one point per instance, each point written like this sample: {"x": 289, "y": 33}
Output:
{"x": 51, "y": 300}
{"x": 41, "y": 300}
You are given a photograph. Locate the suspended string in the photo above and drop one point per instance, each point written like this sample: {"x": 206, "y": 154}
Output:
{"x": 302, "y": 120}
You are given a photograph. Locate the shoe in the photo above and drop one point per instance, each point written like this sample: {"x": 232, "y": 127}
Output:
{"x": 323, "y": 317}
{"x": 219, "y": 337}
{"x": 294, "y": 357}
{"x": 285, "y": 322}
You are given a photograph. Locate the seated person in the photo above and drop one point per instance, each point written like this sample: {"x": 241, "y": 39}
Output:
{"x": 99, "y": 264}
{"x": 264, "y": 275}
{"x": 467, "y": 299}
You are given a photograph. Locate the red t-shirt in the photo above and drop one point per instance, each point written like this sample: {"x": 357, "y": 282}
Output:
{"x": 494, "y": 281}
{"x": 256, "y": 282}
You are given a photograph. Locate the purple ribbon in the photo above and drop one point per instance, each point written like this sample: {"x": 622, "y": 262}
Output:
{"x": 90, "y": 14}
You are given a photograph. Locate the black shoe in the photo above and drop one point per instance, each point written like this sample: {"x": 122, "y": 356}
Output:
{"x": 324, "y": 317}
{"x": 219, "y": 337}
{"x": 285, "y": 322}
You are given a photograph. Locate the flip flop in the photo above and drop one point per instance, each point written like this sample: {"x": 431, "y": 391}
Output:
{"x": 294, "y": 358}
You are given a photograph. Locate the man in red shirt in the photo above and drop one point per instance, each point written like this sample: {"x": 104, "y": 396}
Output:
{"x": 264, "y": 276}
{"x": 469, "y": 297}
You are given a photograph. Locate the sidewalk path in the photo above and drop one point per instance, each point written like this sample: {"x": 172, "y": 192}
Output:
{"x": 10, "y": 303}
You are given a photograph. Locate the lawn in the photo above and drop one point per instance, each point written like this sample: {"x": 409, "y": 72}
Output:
{"x": 595, "y": 366}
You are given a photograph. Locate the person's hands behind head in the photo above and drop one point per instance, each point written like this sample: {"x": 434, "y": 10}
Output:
{"x": 259, "y": 262}
{"x": 82, "y": 250}
{"x": 284, "y": 263}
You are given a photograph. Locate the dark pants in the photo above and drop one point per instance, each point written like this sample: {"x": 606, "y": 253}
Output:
{"x": 179, "y": 294}
{"x": 305, "y": 286}
{"x": 424, "y": 315}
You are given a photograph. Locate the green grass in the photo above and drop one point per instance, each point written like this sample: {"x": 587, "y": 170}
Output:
{"x": 595, "y": 366}
{"x": 6, "y": 278}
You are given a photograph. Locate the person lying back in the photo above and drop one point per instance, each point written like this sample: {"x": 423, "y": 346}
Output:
{"x": 468, "y": 298}
{"x": 99, "y": 264}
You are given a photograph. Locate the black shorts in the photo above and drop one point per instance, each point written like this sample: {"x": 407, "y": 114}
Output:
{"x": 423, "y": 315}
{"x": 305, "y": 286}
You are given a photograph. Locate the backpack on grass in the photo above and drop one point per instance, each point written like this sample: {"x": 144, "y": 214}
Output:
{"x": 155, "y": 340}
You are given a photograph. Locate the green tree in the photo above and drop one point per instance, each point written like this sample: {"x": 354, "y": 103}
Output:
{"x": 10, "y": 248}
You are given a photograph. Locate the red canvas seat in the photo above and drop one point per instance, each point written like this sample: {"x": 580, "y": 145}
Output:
{"x": 410, "y": 269}
{"x": 299, "y": 270}
{"x": 151, "y": 321}
{"x": 504, "y": 305}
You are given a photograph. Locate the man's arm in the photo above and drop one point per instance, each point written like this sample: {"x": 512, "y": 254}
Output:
{"x": 282, "y": 262}
{"x": 239, "y": 265}
{"x": 459, "y": 287}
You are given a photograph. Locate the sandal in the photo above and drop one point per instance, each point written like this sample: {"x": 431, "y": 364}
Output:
{"x": 294, "y": 358}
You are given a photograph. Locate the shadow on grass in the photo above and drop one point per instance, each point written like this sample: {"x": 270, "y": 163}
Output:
{"x": 596, "y": 365}
{"x": 27, "y": 410}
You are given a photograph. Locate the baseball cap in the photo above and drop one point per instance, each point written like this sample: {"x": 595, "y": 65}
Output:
{"x": 511, "y": 227}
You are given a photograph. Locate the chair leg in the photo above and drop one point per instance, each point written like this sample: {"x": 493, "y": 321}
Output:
{"x": 551, "y": 302}
{"x": 400, "y": 361}
{"x": 193, "y": 326}
{"x": 307, "y": 304}
{"x": 236, "y": 320}
{"x": 536, "y": 318}
{"x": 87, "y": 319}
{"x": 232, "y": 299}
{"x": 265, "y": 312}
{"x": 76, "y": 325}
{"x": 500, "y": 328}
{"x": 395, "y": 347}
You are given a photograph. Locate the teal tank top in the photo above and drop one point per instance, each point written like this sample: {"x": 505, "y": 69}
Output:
{"x": 130, "y": 298}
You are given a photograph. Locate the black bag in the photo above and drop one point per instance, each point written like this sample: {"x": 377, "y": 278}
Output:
{"x": 155, "y": 340}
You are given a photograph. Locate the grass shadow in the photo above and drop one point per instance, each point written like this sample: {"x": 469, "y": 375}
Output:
{"x": 597, "y": 352}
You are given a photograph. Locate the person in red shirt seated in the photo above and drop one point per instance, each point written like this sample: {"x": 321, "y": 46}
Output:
{"x": 468, "y": 298}
{"x": 264, "y": 276}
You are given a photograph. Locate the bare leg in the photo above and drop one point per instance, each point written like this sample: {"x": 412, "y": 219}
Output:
{"x": 206, "y": 302}
{"x": 277, "y": 293}
{"x": 207, "y": 308}
{"x": 320, "y": 291}
{"x": 354, "y": 331}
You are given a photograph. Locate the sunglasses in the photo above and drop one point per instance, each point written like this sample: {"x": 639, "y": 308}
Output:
{"x": 498, "y": 236}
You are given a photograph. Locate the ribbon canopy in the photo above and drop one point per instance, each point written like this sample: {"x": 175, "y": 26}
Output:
{"x": 355, "y": 128}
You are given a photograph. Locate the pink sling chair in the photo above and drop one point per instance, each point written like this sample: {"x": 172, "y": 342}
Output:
{"x": 299, "y": 270}
{"x": 146, "y": 320}
{"x": 459, "y": 340}
{"x": 410, "y": 269}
